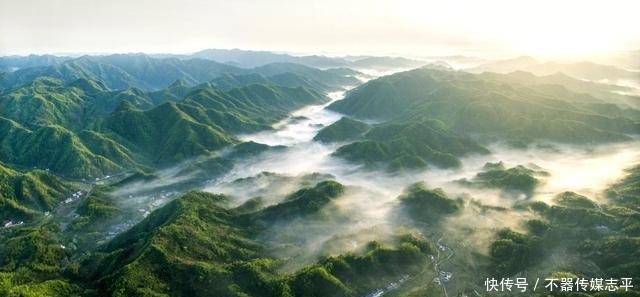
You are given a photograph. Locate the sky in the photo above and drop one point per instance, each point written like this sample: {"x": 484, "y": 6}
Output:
{"x": 545, "y": 28}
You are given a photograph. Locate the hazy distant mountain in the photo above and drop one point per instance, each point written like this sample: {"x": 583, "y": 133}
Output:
{"x": 329, "y": 77}
{"x": 485, "y": 103}
{"x": 123, "y": 71}
{"x": 12, "y": 63}
{"x": 386, "y": 63}
{"x": 505, "y": 66}
{"x": 629, "y": 60}
{"x": 287, "y": 79}
{"x": 584, "y": 91}
{"x": 583, "y": 70}
{"x": 250, "y": 59}
{"x": 148, "y": 73}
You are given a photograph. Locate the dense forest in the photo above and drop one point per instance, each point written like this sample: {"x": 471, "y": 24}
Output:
{"x": 248, "y": 173}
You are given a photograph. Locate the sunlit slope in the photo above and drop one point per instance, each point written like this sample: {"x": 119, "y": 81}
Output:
{"x": 410, "y": 145}
{"x": 197, "y": 246}
{"x": 33, "y": 263}
{"x": 27, "y": 195}
{"x": 49, "y": 101}
{"x": 512, "y": 181}
{"x": 581, "y": 70}
{"x": 599, "y": 236}
{"x": 60, "y": 150}
{"x": 72, "y": 130}
{"x": 484, "y": 106}
{"x": 342, "y": 130}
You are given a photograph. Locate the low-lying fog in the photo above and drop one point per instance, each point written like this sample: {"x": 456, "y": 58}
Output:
{"x": 369, "y": 208}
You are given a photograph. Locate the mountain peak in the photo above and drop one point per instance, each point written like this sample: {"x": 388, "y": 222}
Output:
{"x": 124, "y": 106}
{"x": 178, "y": 83}
{"x": 88, "y": 85}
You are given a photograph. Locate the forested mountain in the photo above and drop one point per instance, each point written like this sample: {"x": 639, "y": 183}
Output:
{"x": 342, "y": 130}
{"x": 249, "y": 59}
{"x": 515, "y": 108}
{"x": 483, "y": 104}
{"x": 25, "y": 196}
{"x": 12, "y": 63}
{"x": 144, "y": 72}
{"x": 412, "y": 145}
{"x": 82, "y": 128}
{"x": 187, "y": 175}
{"x": 582, "y": 70}
{"x": 123, "y": 71}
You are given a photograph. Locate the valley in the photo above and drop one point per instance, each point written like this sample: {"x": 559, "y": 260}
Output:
{"x": 139, "y": 175}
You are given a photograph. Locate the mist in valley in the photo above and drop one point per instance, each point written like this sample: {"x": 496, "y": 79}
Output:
{"x": 343, "y": 149}
{"x": 369, "y": 209}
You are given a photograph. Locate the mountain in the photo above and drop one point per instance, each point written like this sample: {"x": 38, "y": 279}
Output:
{"x": 259, "y": 105}
{"x": 629, "y": 60}
{"x": 122, "y": 71}
{"x": 582, "y": 70}
{"x": 165, "y": 134}
{"x": 342, "y": 130}
{"x": 250, "y": 59}
{"x": 201, "y": 123}
{"x": 304, "y": 202}
{"x": 83, "y": 129}
{"x": 143, "y": 72}
{"x": 329, "y": 77}
{"x": 410, "y": 146}
{"x": 515, "y": 180}
{"x": 228, "y": 81}
{"x": 12, "y": 63}
{"x": 626, "y": 192}
{"x": 287, "y": 79}
{"x": 49, "y": 101}
{"x": 386, "y": 63}
{"x": 505, "y": 66}
{"x": 32, "y": 260}
{"x": 198, "y": 234}
{"x": 483, "y": 106}
{"x": 60, "y": 150}
{"x": 601, "y": 233}
{"x": 580, "y": 93}
{"x": 427, "y": 205}
{"x": 25, "y": 196}
{"x": 76, "y": 104}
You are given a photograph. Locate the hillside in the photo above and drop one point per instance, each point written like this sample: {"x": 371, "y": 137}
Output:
{"x": 414, "y": 145}
{"x": 124, "y": 71}
{"x": 152, "y": 257}
{"x": 59, "y": 150}
{"x": 484, "y": 106}
{"x": 342, "y": 130}
{"x": 82, "y": 129}
{"x": 147, "y": 73}
{"x": 517, "y": 180}
{"x": 581, "y": 70}
{"x": 26, "y": 196}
